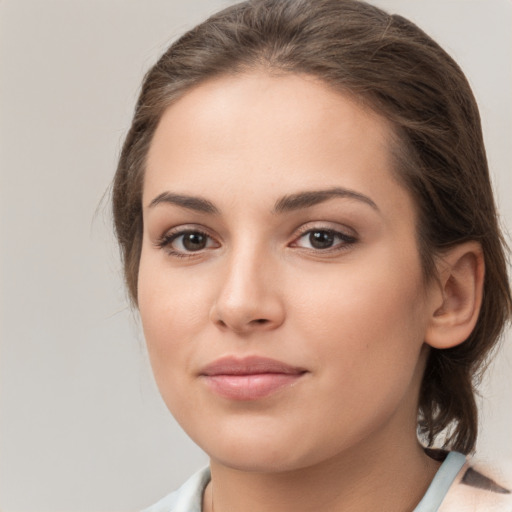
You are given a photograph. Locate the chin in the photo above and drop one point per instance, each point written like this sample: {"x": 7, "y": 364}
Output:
{"x": 261, "y": 452}
{"x": 258, "y": 462}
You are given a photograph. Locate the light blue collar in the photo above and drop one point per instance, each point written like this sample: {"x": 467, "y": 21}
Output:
{"x": 441, "y": 483}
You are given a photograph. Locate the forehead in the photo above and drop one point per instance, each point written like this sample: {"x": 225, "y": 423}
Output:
{"x": 271, "y": 106}
{"x": 265, "y": 130}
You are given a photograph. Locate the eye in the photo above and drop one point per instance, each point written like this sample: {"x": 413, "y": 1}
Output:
{"x": 185, "y": 242}
{"x": 324, "y": 239}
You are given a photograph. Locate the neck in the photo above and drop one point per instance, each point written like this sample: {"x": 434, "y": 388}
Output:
{"x": 389, "y": 477}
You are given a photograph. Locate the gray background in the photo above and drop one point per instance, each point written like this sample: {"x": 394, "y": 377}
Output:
{"x": 81, "y": 425}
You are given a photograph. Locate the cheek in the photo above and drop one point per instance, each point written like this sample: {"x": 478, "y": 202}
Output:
{"x": 173, "y": 310}
{"x": 369, "y": 320}
{"x": 365, "y": 342}
{"x": 170, "y": 318}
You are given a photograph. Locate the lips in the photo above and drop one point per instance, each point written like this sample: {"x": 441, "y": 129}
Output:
{"x": 249, "y": 378}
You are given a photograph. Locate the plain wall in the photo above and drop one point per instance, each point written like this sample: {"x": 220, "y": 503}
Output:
{"x": 82, "y": 427}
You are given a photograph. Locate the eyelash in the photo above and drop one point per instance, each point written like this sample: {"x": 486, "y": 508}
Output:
{"x": 166, "y": 241}
{"x": 345, "y": 241}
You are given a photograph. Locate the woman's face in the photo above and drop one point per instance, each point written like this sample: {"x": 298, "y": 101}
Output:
{"x": 280, "y": 286}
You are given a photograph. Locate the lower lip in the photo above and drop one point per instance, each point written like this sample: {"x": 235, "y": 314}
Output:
{"x": 250, "y": 387}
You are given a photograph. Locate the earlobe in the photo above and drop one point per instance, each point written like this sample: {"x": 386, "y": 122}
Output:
{"x": 456, "y": 303}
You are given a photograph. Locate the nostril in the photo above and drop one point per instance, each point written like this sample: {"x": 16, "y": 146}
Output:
{"x": 261, "y": 321}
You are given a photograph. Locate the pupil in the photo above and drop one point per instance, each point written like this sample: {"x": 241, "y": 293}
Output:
{"x": 321, "y": 239}
{"x": 194, "y": 241}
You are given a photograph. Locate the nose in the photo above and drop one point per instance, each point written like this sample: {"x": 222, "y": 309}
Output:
{"x": 249, "y": 299}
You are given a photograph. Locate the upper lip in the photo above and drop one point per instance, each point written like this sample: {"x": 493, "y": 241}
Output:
{"x": 252, "y": 365}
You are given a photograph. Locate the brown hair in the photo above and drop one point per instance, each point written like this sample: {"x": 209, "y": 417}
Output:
{"x": 392, "y": 65}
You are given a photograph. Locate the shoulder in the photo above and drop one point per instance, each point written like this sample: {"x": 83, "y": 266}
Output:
{"x": 479, "y": 486}
{"x": 188, "y": 498}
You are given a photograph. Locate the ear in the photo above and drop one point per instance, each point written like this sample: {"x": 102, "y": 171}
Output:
{"x": 457, "y": 296}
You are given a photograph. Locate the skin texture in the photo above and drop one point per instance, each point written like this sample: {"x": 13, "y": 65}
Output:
{"x": 352, "y": 317}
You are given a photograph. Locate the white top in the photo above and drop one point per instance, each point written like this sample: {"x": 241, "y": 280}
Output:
{"x": 457, "y": 487}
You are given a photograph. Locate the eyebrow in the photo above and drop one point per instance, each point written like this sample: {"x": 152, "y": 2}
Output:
{"x": 307, "y": 199}
{"x": 288, "y": 203}
{"x": 197, "y": 204}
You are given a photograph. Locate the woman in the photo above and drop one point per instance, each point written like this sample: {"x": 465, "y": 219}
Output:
{"x": 308, "y": 230}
